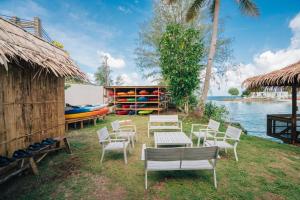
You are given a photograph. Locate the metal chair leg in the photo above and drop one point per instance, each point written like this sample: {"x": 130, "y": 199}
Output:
{"x": 215, "y": 178}
{"x": 102, "y": 156}
{"x": 125, "y": 155}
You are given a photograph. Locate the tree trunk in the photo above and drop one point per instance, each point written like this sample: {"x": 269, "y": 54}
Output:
{"x": 211, "y": 55}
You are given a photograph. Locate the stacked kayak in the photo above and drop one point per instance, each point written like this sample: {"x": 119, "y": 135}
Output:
{"x": 85, "y": 111}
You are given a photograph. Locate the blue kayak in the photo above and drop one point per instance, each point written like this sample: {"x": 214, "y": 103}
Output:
{"x": 78, "y": 110}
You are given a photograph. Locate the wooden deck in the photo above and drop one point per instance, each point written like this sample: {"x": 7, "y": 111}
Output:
{"x": 280, "y": 126}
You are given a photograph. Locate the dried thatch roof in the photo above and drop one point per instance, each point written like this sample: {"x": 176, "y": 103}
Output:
{"x": 17, "y": 44}
{"x": 283, "y": 77}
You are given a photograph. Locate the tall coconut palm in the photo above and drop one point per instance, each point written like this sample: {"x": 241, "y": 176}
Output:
{"x": 247, "y": 7}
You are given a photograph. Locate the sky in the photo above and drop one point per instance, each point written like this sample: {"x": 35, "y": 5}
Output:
{"x": 91, "y": 29}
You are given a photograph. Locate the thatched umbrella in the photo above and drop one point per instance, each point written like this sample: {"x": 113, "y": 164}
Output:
{"x": 286, "y": 77}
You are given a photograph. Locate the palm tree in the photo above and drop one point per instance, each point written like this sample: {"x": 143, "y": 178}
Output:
{"x": 247, "y": 7}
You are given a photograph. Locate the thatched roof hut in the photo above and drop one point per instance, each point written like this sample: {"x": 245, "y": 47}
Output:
{"x": 32, "y": 75}
{"x": 17, "y": 44}
{"x": 286, "y": 77}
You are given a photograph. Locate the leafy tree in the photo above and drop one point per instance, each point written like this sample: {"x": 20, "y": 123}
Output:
{"x": 247, "y": 7}
{"x": 119, "y": 80}
{"x": 215, "y": 112}
{"x": 233, "y": 91}
{"x": 147, "y": 54}
{"x": 102, "y": 74}
{"x": 246, "y": 93}
{"x": 181, "y": 51}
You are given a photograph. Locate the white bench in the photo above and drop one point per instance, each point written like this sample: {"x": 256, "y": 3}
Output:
{"x": 164, "y": 122}
{"x": 180, "y": 158}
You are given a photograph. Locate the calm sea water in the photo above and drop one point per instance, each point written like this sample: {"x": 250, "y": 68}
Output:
{"x": 252, "y": 115}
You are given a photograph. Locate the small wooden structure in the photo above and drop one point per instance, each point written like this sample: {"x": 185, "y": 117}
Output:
{"x": 82, "y": 120}
{"x": 32, "y": 73}
{"x": 281, "y": 126}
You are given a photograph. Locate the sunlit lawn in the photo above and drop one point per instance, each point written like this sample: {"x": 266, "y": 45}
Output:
{"x": 266, "y": 170}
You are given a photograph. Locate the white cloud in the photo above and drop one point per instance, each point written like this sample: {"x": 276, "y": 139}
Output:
{"x": 263, "y": 63}
{"x": 112, "y": 61}
{"x": 295, "y": 26}
{"x": 134, "y": 79}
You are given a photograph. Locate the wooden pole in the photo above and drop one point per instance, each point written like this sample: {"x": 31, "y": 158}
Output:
{"x": 106, "y": 71}
{"x": 37, "y": 27}
{"x": 294, "y": 114}
{"x": 15, "y": 20}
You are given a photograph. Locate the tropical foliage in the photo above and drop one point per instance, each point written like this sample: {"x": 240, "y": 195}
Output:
{"x": 246, "y": 93}
{"x": 103, "y": 76}
{"x": 119, "y": 80}
{"x": 233, "y": 91}
{"x": 215, "y": 112}
{"x": 58, "y": 44}
{"x": 181, "y": 51}
{"x": 247, "y": 7}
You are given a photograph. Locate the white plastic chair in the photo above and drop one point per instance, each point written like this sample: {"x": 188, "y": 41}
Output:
{"x": 205, "y": 131}
{"x": 125, "y": 129}
{"x": 109, "y": 144}
{"x": 232, "y": 134}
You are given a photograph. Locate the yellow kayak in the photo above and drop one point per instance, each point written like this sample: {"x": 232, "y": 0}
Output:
{"x": 102, "y": 111}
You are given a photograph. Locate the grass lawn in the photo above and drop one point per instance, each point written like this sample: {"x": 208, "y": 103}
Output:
{"x": 266, "y": 170}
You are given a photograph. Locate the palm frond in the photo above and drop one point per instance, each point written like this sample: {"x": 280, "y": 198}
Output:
{"x": 193, "y": 10}
{"x": 212, "y": 9}
{"x": 169, "y": 2}
{"x": 248, "y": 7}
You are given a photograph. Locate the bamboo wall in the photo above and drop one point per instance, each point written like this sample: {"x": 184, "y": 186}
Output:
{"x": 31, "y": 107}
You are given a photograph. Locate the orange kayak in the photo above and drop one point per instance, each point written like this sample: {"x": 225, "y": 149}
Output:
{"x": 101, "y": 111}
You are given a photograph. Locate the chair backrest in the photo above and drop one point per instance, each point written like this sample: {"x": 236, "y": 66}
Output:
{"x": 115, "y": 125}
{"x": 179, "y": 153}
{"x": 202, "y": 153}
{"x": 233, "y": 132}
{"x": 163, "y": 118}
{"x": 103, "y": 135}
{"x": 214, "y": 125}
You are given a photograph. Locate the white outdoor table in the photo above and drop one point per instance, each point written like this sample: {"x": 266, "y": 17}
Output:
{"x": 171, "y": 139}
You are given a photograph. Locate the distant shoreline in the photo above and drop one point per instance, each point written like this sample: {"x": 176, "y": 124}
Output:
{"x": 250, "y": 99}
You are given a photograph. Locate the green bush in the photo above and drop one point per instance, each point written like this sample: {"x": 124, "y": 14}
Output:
{"x": 233, "y": 91}
{"x": 215, "y": 112}
{"x": 181, "y": 51}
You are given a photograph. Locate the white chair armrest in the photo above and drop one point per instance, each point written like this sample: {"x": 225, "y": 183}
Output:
{"x": 194, "y": 126}
{"x": 103, "y": 141}
{"x": 126, "y": 130}
{"x": 132, "y": 126}
{"x": 118, "y": 140}
{"x": 219, "y": 138}
{"x": 234, "y": 139}
{"x": 207, "y": 130}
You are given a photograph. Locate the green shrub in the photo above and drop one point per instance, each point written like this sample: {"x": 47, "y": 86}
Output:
{"x": 215, "y": 112}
